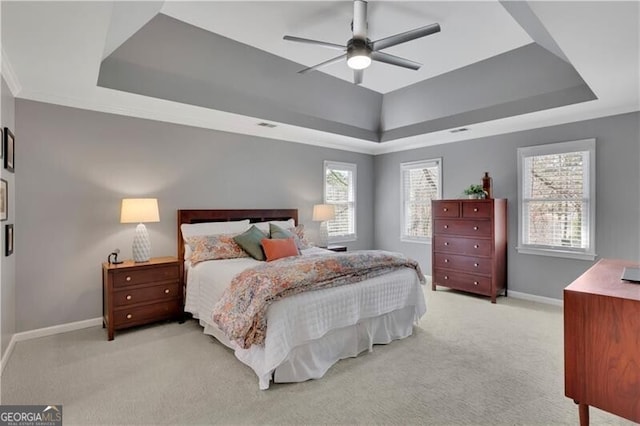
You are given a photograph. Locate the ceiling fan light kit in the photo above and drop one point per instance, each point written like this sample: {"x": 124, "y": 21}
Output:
{"x": 360, "y": 51}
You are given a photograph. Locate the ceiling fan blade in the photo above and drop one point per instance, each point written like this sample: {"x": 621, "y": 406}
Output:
{"x": 359, "y": 24}
{"x": 395, "y": 60}
{"x": 406, "y": 36}
{"x": 321, "y": 64}
{"x": 357, "y": 76}
{"x": 315, "y": 42}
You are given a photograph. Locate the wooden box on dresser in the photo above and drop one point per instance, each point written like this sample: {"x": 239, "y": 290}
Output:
{"x": 469, "y": 247}
{"x": 140, "y": 293}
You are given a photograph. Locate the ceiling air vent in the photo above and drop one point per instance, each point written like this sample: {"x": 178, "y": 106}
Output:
{"x": 269, "y": 125}
{"x": 461, "y": 129}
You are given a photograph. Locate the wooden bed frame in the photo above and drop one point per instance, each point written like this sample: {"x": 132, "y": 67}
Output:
{"x": 202, "y": 216}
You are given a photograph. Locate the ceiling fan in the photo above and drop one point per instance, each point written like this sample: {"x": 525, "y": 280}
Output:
{"x": 360, "y": 51}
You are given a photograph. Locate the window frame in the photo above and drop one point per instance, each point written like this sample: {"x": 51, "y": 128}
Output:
{"x": 353, "y": 168}
{"x": 411, "y": 165}
{"x": 589, "y": 176}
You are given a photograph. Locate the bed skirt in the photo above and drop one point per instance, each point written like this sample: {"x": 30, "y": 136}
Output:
{"x": 312, "y": 359}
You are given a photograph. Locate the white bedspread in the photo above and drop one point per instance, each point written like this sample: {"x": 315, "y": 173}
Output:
{"x": 300, "y": 319}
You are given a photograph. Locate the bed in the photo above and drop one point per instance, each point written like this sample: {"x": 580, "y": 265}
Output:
{"x": 308, "y": 332}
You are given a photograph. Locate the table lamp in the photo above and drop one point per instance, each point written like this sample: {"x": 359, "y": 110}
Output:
{"x": 139, "y": 210}
{"x": 322, "y": 213}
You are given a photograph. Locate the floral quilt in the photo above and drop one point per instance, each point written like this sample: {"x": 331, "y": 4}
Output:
{"x": 242, "y": 311}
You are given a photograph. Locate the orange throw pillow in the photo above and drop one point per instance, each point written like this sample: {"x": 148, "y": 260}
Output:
{"x": 279, "y": 248}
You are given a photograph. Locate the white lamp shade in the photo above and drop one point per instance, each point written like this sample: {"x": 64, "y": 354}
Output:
{"x": 139, "y": 210}
{"x": 323, "y": 212}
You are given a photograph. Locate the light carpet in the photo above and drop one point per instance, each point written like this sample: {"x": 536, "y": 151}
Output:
{"x": 468, "y": 362}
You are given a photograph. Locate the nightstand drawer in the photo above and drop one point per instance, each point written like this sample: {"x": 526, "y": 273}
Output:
{"x": 147, "y": 275}
{"x": 145, "y": 294}
{"x": 147, "y": 313}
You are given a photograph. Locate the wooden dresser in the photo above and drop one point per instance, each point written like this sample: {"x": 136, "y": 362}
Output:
{"x": 140, "y": 293}
{"x": 602, "y": 341}
{"x": 469, "y": 247}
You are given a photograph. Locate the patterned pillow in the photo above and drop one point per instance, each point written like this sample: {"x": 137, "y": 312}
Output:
{"x": 213, "y": 247}
{"x": 301, "y": 241}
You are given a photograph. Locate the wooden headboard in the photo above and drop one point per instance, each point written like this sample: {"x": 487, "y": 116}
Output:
{"x": 201, "y": 216}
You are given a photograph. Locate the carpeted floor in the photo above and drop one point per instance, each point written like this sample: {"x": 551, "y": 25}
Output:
{"x": 468, "y": 362}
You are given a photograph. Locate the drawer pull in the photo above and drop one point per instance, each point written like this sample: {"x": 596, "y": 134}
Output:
{"x": 445, "y": 209}
{"x": 446, "y": 243}
{"x": 476, "y": 265}
{"x": 128, "y": 297}
{"x": 475, "y": 209}
{"x": 446, "y": 227}
{"x": 446, "y": 261}
{"x": 475, "y": 228}
{"x": 446, "y": 277}
{"x": 128, "y": 278}
{"x": 476, "y": 246}
{"x": 475, "y": 283}
{"x": 129, "y": 316}
{"x": 166, "y": 291}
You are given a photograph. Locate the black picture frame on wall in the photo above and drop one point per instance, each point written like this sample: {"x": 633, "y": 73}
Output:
{"x": 9, "y": 150}
{"x": 1, "y": 144}
{"x": 8, "y": 240}
{"x": 4, "y": 200}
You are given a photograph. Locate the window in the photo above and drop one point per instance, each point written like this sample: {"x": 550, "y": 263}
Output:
{"x": 421, "y": 183}
{"x": 340, "y": 190}
{"x": 557, "y": 199}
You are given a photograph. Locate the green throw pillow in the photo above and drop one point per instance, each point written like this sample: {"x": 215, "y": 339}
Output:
{"x": 250, "y": 242}
{"x": 278, "y": 233}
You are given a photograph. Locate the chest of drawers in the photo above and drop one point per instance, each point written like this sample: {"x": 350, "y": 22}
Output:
{"x": 140, "y": 293}
{"x": 469, "y": 247}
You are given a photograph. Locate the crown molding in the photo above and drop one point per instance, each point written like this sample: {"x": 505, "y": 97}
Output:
{"x": 9, "y": 75}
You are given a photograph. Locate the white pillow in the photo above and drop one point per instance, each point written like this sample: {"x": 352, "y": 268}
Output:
{"x": 285, "y": 224}
{"x": 211, "y": 228}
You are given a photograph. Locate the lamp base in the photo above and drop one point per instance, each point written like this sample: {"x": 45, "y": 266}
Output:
{"x": 323, "y": 235}
{"x": 141, "y": 248}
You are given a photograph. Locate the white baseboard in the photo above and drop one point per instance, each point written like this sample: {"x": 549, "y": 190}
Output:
{"x": 534, "y": 298}
{"x": 47, "y": 331}
{"x": 7, "y": 354}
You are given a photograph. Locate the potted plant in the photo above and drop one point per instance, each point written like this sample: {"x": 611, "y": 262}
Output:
{"x": 475, "y": 191}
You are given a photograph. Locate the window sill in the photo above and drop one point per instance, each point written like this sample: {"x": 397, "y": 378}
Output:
{"x": 556, "y": 253}
{"x": 337, "y": 240}
{"x": 415, "y": 241}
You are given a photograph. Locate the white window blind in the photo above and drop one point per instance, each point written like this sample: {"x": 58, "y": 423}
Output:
{"x": 557, "y": 199}
{"x": 340, "y": 190}
{"x": 421, "y": 183}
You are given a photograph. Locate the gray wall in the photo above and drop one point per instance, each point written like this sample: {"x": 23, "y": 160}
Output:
{"x": 74, "y": 166}
{"x": 7, "y": 268}
{"x": 617, "y": 195}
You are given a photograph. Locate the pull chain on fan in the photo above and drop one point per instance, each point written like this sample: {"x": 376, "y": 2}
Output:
{"x": 360, "y": 51}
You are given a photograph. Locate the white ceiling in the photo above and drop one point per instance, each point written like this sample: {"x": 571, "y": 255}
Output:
{"x": 52, "y": 51}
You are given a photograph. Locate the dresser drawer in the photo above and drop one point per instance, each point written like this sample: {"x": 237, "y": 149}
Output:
{"x": 462, "y": 227}
{"x": 145, "y": 294}
{"x": 147, "y": 313}
{"x": 477, "y": 209}
{"x": 446, "y": 209}
{"x": 461, "y": 281}
{"x": 461, "y": 245}
{"x": 148, "y": 275}
{"x": 479, "y": 265}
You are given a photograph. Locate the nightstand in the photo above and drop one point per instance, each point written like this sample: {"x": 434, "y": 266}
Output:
{"x": 337, "y": 248}
{"x": 140, "y": 293}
